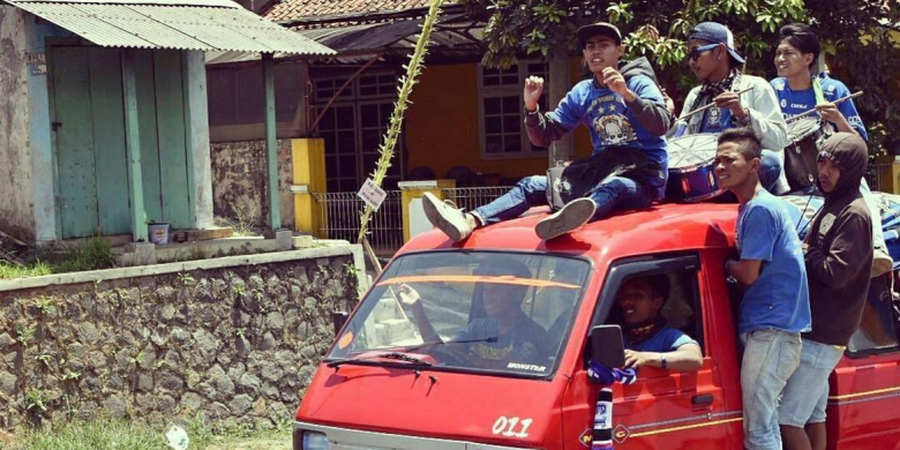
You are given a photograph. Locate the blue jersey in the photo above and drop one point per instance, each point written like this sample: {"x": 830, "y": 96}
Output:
{"x": 795, "y": 102}
{"x": 779, "y": 298}
{"x": 667, "y": 339}
{"x": 608, "y": 119}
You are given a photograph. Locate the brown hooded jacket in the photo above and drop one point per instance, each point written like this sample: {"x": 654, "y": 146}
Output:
{"x": 839, "y": 257}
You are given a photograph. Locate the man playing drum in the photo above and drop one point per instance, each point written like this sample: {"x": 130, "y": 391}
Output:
{"x": 626, "y": 116}
{"x": 799, "y": 89}
{"x": 714, "y": 60}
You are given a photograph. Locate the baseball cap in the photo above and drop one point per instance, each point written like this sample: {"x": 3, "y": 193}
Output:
{"x": 599, "y": 28}
{"x": 716, "y": 33}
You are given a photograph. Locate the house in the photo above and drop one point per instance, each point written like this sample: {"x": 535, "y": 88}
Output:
{"x": 104, "y": 116}
{"x": 465, "y": 121}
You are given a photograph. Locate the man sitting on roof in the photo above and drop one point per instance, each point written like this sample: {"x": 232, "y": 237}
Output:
{"x": 626, "y": 115}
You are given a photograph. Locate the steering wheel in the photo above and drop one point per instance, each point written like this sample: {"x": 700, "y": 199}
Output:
{"x": 450, "y": 355}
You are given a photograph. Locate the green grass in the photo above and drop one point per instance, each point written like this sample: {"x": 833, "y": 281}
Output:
{"x": 92, "y": 254}
{"x": 122, "y": 435}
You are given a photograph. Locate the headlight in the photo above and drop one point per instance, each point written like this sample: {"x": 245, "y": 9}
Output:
{"x": 313, "y": 440}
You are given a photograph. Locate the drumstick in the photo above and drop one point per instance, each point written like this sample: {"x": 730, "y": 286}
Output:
{"x": 840, "y": 100}
{"x": 704, "y": 108}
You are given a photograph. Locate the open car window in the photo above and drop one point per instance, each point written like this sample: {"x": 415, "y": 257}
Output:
{"x": 473, "y": 311}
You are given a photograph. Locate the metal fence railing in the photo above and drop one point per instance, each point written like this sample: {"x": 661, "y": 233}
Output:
{"x": 340, "y": 212}
{"x": 470, "y": 198}
{"x": 878, "y": 176}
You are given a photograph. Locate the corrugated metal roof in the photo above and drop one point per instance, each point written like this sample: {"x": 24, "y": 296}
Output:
{"x": 165, "y": 25}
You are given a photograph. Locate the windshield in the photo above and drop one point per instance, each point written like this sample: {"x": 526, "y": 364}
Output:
{"x": 474, "y": 311}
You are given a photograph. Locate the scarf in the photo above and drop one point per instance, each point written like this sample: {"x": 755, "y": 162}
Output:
{"x": 709, "y": 91}
{"x": 602, "y": 434}
{"x": 635, "y": 334}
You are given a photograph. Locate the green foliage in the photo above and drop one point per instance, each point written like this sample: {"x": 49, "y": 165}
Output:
{"x": 35, "y": 269}
{"x": 92, "y": 254}
{"x": 24, "y": 334}
{"x": 37, "y": 401}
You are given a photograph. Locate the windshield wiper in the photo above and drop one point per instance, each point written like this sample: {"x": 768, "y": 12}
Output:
{"x": 416, "y": 362}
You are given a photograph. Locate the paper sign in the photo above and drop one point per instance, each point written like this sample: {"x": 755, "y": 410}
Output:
{"x": 371, "y": 194}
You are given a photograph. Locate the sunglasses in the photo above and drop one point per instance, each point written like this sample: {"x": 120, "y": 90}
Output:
{"x": 695, "y": 52}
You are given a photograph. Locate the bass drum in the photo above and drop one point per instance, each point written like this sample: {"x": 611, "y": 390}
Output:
{"x": 691, "y": 171}
{"x": 806, "y": 137}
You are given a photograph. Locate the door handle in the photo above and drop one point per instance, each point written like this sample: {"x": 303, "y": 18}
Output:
{"x": 702, "y": 400}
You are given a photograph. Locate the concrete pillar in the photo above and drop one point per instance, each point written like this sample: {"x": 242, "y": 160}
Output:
{"x": 414, "y": 220}
{"x": 308, "y": 179}
{"x": 199, "y": 141}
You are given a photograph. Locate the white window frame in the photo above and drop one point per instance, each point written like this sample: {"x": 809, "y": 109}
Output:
{"x": 526, "y": 148}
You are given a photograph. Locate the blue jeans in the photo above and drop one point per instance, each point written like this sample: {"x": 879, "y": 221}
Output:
{"x": 771, "y": 168}
{"x": 806, "y": 393}
{"x": 612, "y": 194}
{"x": 770, "y": 358}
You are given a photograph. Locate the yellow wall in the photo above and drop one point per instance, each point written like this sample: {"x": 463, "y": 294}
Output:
{"x": 442, "y": 129}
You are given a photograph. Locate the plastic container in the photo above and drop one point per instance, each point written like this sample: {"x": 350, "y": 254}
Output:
{"x": 159, "y": 233}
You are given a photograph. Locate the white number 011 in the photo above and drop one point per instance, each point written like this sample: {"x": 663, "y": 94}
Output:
{"x": 507, "y": 427}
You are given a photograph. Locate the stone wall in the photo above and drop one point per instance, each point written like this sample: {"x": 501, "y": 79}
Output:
{"x": 239, "y": 175}
{"x": 233, "y": 339}
{"x": 16, "y": 208}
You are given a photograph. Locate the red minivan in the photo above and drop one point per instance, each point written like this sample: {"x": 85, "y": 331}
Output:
{"x": 389, "y": 382}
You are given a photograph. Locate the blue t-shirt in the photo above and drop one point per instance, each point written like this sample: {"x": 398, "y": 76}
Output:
{"x": 667, "y": 339}
{"x": 796, "y": 102}
{"x": 526, "y": 343}
{"x": 779, "y": 298}
{"x": 610, "y": 122}
{"x": 716, "y": 120}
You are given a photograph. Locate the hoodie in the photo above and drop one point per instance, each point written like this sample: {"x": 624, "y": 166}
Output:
{"x": 839, "y": 257}
{"x": 611, "y": 121}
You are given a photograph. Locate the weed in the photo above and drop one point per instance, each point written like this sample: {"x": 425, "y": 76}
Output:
{"x": 197, "y": 252}
{"x": 93, "y": 254}
{"x": 241, "y": 332}
{"x": 45, "y": 304}
{"x": 71, "y": 376}
{"x": 36, "y": 401}
{"x": 44, "y": 358}
{"x": 24, "y": 334}
{"x": 186, "y": 279}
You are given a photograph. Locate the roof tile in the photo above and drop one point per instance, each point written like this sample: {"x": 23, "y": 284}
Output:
{"x": 295, "y": 9}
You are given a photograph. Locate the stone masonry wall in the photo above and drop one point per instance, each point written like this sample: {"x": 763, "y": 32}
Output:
{"x": 236, "y": 343}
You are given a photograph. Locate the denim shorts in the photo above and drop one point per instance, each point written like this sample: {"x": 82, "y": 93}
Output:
{"x": 806, "y": 393}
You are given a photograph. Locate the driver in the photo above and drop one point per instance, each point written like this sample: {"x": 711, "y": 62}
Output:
{"x": 648, "y": 340}
{"x": 504, "y": 335}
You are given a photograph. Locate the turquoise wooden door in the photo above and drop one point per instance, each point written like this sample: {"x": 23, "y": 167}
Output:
{"x": 89, "y": 140}
{"x": 89, "y": 128}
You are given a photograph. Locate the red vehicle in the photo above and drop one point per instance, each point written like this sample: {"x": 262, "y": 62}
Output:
{"x": 382, "y": 386}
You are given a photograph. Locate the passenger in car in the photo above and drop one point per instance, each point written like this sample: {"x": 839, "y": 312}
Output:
{"x": 649, "y": 341}
{"x": 505, "y": 335}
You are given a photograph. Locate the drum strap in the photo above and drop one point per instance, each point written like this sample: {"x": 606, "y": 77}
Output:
{"x": 817, "y": 90}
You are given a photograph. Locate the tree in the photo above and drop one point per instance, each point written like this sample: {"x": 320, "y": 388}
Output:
{"x": 855, "y": 32}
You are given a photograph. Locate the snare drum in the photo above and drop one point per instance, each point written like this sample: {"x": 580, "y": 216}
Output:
{"x": 691, "y": 170}
{"x": 806, "y": 137}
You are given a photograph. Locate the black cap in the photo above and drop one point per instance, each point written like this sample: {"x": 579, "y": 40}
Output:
{"x": 600, "y": 28}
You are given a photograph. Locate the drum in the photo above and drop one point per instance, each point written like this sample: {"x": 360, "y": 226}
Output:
{"x": 691, "y": 171}
{"x": 806, "y": 137}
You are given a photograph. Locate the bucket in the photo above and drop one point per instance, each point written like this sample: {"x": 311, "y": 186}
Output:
{"x": 159, "y": 233}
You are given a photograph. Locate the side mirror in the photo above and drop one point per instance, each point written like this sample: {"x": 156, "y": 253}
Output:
{"x": 607, "y": 345}
{"x": 339, "y": 318}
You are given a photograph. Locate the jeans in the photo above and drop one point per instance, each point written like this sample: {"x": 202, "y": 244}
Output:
{"x": 806, "y": 393}
{"x": 612, "y": 194}
{"x": 770, "y": 358}
{"x": 771, "y": 173}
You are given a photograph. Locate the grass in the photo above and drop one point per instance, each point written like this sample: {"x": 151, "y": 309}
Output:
{"x": 122, "y": 435}
{"x": 92, "y": 254}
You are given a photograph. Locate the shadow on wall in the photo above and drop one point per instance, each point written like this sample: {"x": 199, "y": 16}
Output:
{"x": 239, "y": 175}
